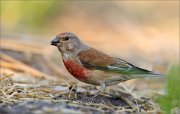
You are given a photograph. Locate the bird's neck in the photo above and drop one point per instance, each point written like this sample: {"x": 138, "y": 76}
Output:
{"x": 70, "y": 57}
{"x": 67, "y": 56}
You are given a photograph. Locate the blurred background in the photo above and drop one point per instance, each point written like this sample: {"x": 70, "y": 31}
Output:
{"x": 142, "y": 32}
{"x": 145, "y": 33}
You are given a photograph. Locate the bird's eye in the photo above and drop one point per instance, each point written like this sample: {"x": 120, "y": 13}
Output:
{"x": 66, "y": 38}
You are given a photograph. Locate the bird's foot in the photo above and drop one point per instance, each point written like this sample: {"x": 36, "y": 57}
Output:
{"x": 101, "y": 89}
{"x": 72, "y": 92}
{"x": 92, "y": 98}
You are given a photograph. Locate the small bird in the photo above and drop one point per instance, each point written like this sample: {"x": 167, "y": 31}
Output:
{"x": 92, "y": 66}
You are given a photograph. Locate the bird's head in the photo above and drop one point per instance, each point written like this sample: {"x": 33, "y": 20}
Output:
{"x": 67, "y": 42}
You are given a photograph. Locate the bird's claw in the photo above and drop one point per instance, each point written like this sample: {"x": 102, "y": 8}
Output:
{"x": 72, "y": 89}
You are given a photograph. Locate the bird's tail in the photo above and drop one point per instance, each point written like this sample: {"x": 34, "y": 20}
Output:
{"x": 146, "y": 73}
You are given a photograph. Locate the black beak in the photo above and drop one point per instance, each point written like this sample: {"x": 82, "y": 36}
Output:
{"x": 55, "y": 41}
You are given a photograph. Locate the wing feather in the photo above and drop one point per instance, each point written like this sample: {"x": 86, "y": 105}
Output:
{"x": 94, "y": 59}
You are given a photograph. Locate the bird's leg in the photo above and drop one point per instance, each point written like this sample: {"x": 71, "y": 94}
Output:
{"x": 101, "y": 89}
{"x": 72, "y": 88}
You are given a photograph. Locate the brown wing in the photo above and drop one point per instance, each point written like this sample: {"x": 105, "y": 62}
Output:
{"x": 92, "y": 57}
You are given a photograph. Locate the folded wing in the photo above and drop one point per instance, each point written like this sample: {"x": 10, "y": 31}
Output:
{"x": 94, "y": 59}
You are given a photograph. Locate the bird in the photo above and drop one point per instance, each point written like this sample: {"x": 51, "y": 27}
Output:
{"x": 92, "y": 66}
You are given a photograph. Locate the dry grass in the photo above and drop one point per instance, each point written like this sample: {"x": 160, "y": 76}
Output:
{"x": 115, "y": 100}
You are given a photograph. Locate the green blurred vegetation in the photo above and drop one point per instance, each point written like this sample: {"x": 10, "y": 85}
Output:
{"x": 172, "y": 98}
{"x": 29, "y": 14}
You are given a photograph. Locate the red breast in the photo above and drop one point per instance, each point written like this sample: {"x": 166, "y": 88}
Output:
{"x": 77, "y": 70}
